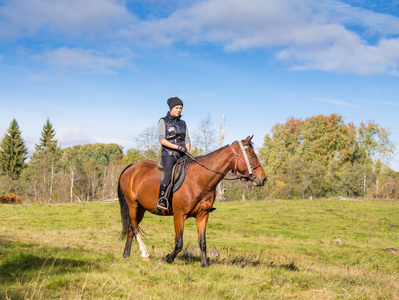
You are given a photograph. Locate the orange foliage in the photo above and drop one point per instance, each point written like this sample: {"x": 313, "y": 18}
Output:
{"x": 10, "y": 199}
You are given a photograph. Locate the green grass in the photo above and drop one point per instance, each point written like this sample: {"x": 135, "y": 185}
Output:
{"x": 269, "y": 249}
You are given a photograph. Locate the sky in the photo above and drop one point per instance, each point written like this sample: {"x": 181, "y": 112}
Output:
{"x": 102, "y": 70}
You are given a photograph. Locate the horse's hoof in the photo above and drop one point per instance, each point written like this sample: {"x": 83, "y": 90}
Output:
{"x": 167, "y": 259}
{"x": 145, "y": 258}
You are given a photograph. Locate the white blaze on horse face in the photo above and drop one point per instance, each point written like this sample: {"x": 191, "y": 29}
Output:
{"x": 143, "y": 248}
{"x": 246, "y": 157}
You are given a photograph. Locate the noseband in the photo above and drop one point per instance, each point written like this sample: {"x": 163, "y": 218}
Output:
{"x": 245, "y": 162}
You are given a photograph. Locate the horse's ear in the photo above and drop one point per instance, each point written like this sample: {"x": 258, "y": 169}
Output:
{"x": 247, "y": 141}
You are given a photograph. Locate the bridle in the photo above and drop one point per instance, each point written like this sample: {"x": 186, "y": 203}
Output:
{"x": 245, "y": 161}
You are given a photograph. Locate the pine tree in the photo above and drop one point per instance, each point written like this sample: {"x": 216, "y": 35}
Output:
{"x": 13, "y": 151}
{"x": 48, "y": 143}
{"x": 45, "y": 162}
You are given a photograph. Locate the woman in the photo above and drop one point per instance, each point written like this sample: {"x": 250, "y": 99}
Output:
{"x": 175, "y": 141}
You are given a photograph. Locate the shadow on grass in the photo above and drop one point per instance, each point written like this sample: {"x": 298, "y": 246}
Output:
{"x": 23, "y": 262}
{"x": 238, "y": 259}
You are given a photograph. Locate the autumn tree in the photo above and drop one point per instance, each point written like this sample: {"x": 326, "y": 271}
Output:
{"x": 339, "y": 151}
{"x": 133, "y": 156}
{"x": 13, "y": 152}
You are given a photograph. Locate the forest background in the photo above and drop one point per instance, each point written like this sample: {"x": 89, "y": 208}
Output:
{"x": 317, "y": 157}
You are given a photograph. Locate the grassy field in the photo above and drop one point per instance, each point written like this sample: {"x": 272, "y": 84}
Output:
{"x": 314, "y": 249}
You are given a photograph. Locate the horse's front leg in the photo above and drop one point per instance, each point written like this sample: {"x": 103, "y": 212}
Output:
{"x": 179, "y": 220}
{"x": 202, "y": 220}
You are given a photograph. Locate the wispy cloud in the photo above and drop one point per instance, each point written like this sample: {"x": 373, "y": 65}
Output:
{"x": 37, "y": 78}
{"x": 336, "y": 102}
{"x": 83, "y": 59}
{"x": 390, "y": 103}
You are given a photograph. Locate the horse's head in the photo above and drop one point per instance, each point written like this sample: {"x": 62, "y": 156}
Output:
{"x": 248, "y": 163}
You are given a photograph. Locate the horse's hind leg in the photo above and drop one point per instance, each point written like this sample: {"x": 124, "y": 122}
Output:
{"x": 139, "y": 216}
{"x": 136, "y": 215}
{"x": 128, "y": 245}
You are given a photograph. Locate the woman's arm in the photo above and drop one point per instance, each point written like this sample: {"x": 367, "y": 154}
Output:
{"x": 168, "y": 144}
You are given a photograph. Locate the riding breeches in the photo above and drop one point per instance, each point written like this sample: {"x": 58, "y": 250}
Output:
{"x": 168, "y": 161}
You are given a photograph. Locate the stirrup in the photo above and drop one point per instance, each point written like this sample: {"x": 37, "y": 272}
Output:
{"x": 165, "y": 201}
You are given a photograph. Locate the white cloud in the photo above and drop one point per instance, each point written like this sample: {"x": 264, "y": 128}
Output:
{"x": 68, "y": 136}
{"x": 325, "y": 35}
{"x": 372, "y": 22}
{"x": 71, "y": 17}
{"x": 346, "y": 55}
{"x": 310, "y": 34}
{"x": 83, "y": 59}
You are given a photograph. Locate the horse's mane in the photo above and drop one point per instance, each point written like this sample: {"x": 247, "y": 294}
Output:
{"x": 206, "y": 156}
{"x": 250, "y": 144}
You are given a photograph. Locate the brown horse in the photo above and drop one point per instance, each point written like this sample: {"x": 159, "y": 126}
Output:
{"x": 139, "y": 184}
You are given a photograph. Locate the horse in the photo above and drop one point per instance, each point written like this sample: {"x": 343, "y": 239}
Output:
{"x": 138, "y": 188}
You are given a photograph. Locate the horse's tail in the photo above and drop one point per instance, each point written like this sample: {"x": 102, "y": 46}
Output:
{"x": 125, "y": 215}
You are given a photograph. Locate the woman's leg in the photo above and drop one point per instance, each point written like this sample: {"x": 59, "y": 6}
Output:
{"x": 168, "y": 162}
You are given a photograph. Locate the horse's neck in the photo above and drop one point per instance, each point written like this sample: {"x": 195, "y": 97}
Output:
{"x": 221, "y": 160}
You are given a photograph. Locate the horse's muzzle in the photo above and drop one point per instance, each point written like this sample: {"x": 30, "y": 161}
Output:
{"x": 257, "y": 182}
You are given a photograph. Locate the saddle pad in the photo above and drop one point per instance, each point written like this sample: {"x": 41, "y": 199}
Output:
{"x": 178, "y": 174}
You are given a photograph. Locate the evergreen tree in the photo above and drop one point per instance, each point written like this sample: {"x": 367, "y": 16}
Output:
{"x": 48, "y": 143}
{"x": 13, "y": 151}
{"x": 45, "y": 162}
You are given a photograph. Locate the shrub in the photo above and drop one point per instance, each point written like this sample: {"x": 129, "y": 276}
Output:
{"x": 10, "y": 199}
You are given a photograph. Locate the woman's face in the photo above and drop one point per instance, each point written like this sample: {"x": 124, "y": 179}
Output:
{"x": 176, "y": 110}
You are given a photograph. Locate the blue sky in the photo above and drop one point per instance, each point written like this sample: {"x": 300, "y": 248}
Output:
{"x": 102, "y": 70}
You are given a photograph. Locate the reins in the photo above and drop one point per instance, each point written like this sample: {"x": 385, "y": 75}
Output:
{"x": 202, "y": 165}
{"x": 246, "y": 162}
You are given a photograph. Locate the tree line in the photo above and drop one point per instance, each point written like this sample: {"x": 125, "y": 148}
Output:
{"x": 320, "y": 156}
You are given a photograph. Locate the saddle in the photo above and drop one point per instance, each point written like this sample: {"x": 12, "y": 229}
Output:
{"x": 178, "y": 175}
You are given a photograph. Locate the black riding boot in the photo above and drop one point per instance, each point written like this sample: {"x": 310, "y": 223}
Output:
{"x": 163, "y": 204}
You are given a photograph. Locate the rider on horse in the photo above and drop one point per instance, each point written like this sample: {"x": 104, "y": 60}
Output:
{"x": 175, "y": 141}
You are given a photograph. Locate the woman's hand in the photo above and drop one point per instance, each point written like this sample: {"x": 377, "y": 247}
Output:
{"x": 182, "y": 149}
